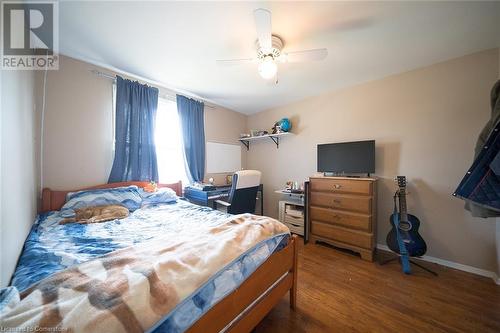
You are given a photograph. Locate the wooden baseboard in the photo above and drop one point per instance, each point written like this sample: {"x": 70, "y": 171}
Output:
{"x": 452, "y": 264}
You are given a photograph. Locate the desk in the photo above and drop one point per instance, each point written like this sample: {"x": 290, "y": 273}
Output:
{"x": 294, "y": 196}
{"x": 207, "y": 198}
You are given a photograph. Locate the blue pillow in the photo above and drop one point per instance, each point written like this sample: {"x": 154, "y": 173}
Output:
{"x": 162, "y": 195}
{"x": 128, "y": 196}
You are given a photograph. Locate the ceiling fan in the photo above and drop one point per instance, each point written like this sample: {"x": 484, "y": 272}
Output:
{"x": 269, "y": 49}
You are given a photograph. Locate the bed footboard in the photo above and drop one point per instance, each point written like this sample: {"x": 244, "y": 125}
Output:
{"x": 246, "y": 306}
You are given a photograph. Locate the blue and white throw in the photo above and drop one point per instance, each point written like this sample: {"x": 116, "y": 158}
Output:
{"x": 198, "y": 254}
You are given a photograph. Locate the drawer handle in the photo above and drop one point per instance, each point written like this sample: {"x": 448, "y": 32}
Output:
{"x": 338, "y": 217}
{"x": 337, "y": 201}
{"x": 337, "y": 186}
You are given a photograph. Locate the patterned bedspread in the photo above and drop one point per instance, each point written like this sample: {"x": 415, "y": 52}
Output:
{"x": 159, "y": 233}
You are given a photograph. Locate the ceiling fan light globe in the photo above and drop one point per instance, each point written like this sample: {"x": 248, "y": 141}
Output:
{"x": 268, "y": 68}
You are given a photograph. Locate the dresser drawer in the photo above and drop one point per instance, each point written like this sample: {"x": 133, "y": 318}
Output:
{"x": 350, "y": 220}
{"x": 341, "y": 186}
{"x": 361, "y": 204}
{"x": 352, "y": 237}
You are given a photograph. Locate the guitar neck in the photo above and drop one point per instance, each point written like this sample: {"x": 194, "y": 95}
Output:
{"x": 402, "y": 205}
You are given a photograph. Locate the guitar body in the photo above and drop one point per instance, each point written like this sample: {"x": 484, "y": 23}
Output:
{"x": 408, "y": 231}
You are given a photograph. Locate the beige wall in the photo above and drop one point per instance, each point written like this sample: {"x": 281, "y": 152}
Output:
{"x": 78, "y": 145}
{"x": 18, "y": 166}
{"x": 224, "y": 126}
{"x": 425, "y": 123}
{"x": 78, "y": 139}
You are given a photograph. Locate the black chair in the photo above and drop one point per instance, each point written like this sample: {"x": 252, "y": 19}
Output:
{"x": 243, "y": 193}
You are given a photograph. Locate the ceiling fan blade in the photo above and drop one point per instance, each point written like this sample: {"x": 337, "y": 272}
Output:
{"x": 303, "y": 56}
{"x": 264, "y": 31}
{"x": 233, "y": 62}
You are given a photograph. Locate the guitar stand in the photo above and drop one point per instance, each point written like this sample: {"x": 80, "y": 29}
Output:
{"x": 381, "y": 263}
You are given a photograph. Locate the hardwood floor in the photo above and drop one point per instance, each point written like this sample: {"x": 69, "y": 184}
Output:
{"x": 339, "y": 292}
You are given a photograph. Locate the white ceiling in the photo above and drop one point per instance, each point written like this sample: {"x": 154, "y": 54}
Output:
{"x": 177, "y": 43}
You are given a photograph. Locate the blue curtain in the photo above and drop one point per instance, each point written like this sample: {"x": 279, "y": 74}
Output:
{"x": 135, "y": 154}
{"x": 191, "y": 115}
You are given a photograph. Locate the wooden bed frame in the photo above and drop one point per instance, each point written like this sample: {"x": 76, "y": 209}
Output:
{"x": 246, "y": 306}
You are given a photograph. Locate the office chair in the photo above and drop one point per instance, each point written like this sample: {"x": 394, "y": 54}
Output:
{"x": 243, "y": 193}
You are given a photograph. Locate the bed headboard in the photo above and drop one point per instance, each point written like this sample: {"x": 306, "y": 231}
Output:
{"x": 54, "y": 200}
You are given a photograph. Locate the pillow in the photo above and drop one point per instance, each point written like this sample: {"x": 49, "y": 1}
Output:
{"x": 162, "y": 195}
{"x": 127, "y": 196}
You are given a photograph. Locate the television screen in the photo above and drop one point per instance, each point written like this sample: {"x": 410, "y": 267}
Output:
{"x": 347, "y": 157}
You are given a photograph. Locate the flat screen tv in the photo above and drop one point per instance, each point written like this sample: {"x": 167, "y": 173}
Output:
{"x": 347, "y": 157}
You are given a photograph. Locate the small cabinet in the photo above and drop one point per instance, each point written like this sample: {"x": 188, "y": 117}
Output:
{"x": 291, "y": 214}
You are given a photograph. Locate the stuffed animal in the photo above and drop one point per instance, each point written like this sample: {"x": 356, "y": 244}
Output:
{"x": 151, "y": 187}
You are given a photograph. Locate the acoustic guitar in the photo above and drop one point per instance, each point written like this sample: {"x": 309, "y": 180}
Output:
{"x": 405, "y": 226}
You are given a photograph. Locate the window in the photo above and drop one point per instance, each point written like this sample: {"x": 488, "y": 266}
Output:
{"x": 168, "y": 142}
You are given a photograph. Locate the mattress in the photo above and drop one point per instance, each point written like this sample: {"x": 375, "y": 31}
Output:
{"x": 51, "y": 247}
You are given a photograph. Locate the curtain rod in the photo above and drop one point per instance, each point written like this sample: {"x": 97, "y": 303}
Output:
{"x": 169, "y": 97}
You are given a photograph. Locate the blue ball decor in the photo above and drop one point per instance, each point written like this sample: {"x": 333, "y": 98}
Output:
{"x": 285, "y": 124}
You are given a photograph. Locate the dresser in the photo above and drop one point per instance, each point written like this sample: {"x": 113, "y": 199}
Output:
{"x": 342, "y": 212}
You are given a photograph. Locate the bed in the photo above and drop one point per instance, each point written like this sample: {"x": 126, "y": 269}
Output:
{"x": 256, "y": 289}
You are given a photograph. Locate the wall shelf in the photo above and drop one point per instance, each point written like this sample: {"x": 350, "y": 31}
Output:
{"x": 274, "y": 137}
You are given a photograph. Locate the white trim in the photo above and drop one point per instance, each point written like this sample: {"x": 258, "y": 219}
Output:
{"x": 455, "y": 265}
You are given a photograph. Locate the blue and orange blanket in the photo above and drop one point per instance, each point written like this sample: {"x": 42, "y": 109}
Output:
{"x": 160, "y": 269}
